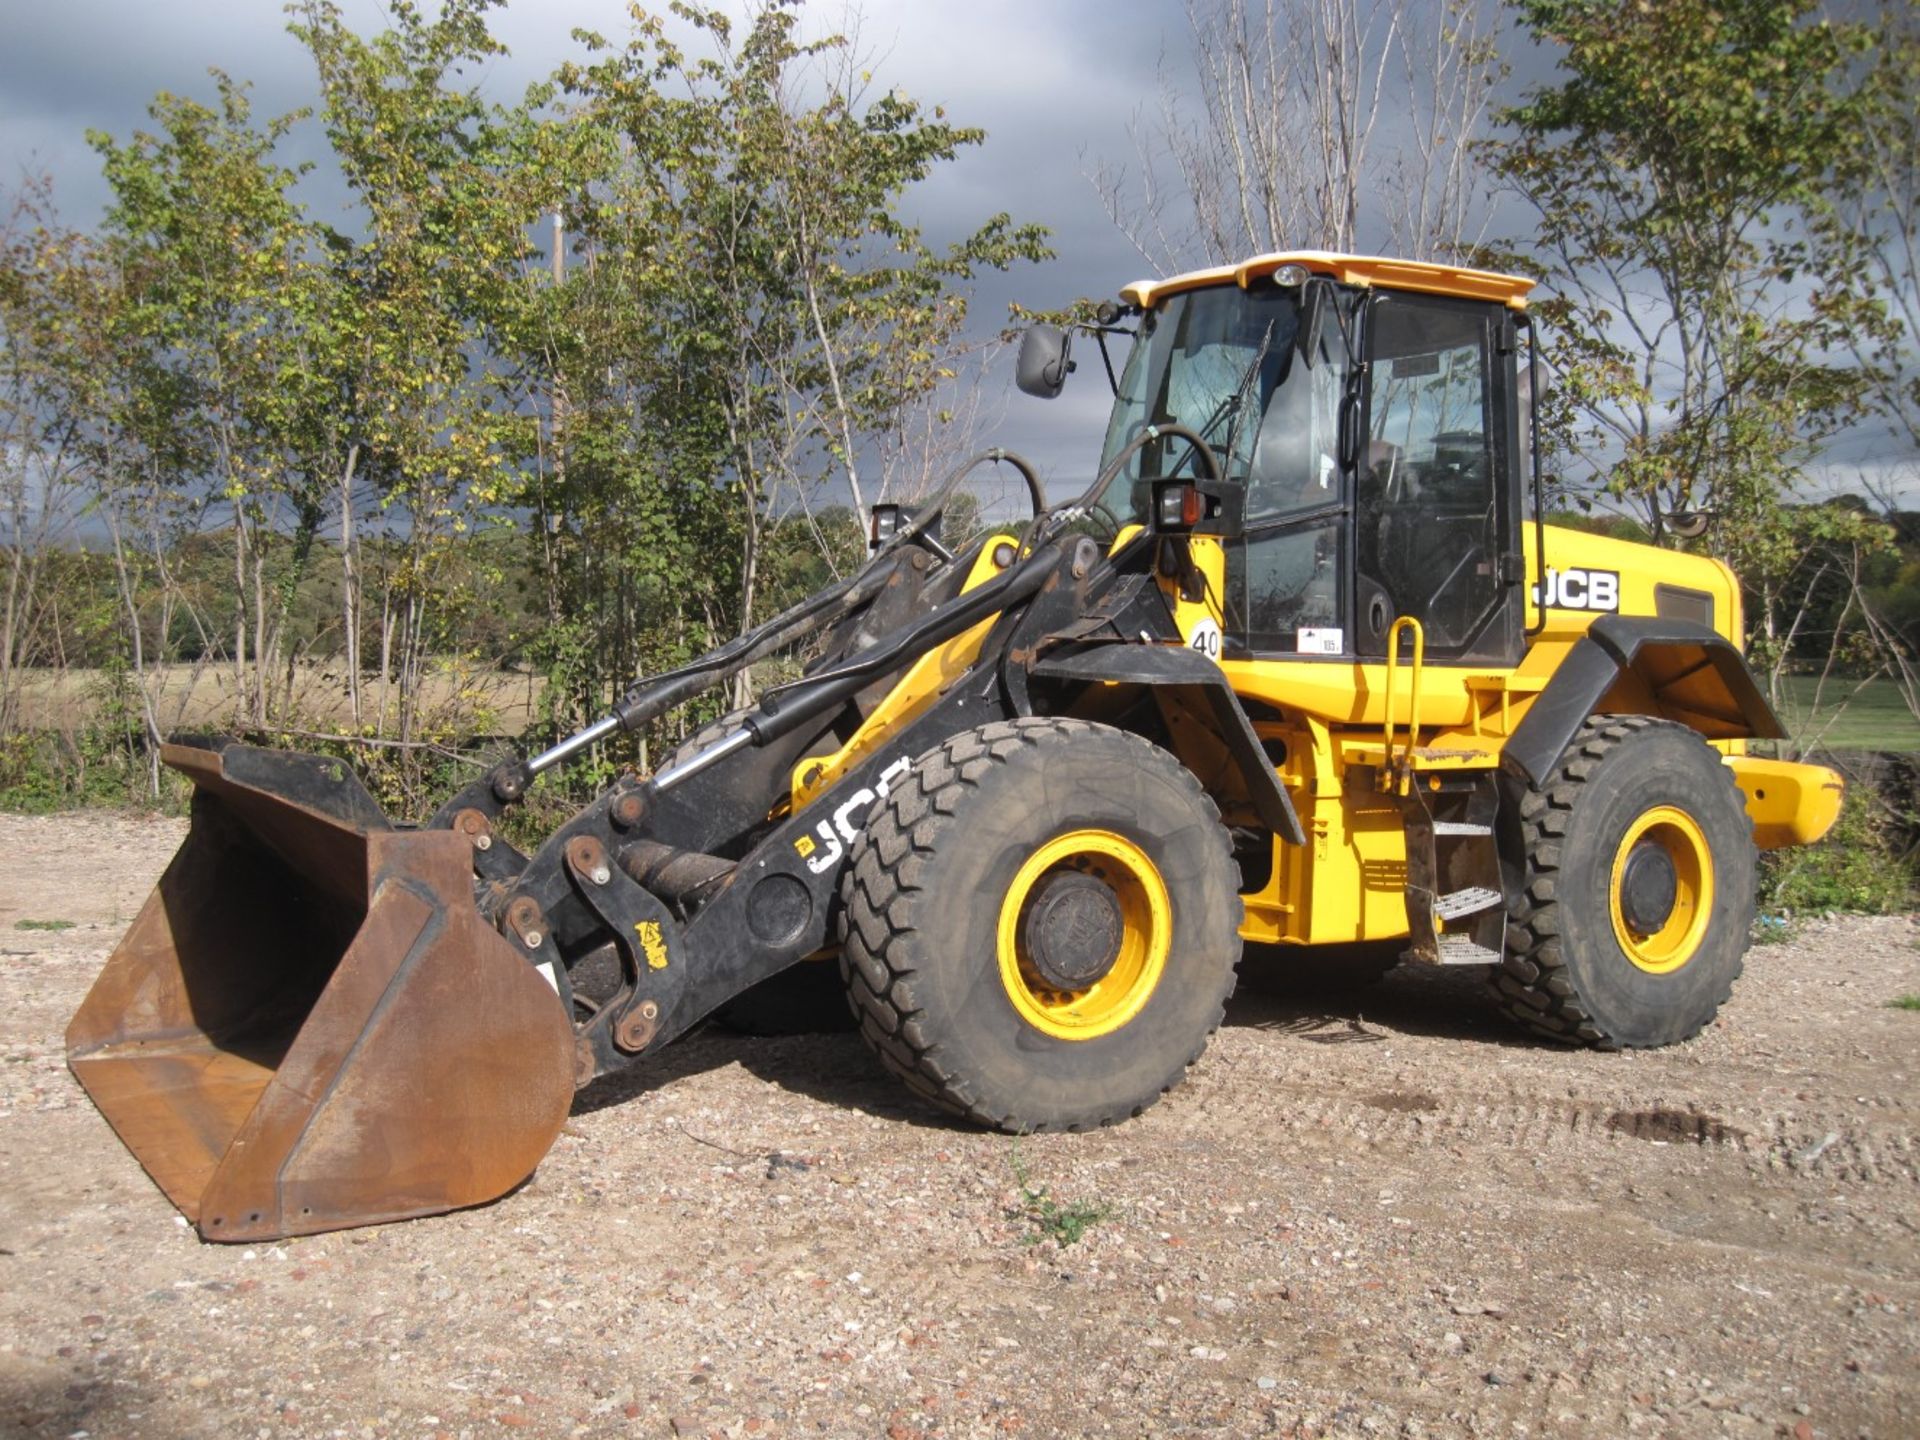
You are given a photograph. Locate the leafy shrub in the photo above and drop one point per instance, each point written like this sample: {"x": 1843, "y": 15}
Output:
{"x": 1856, "y": 869}
{"x": 45, "y": 771}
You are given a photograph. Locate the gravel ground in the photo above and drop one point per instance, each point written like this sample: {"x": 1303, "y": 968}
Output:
{"x": 1383, "y": 1213}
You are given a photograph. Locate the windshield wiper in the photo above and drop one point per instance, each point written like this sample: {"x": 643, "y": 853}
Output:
{"x": 1233, "y": 405}
{"x": 1240, "y": 395}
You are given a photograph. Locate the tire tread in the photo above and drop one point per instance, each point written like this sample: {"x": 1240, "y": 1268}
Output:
{"x": 1532, "y": 984}
{"x": 880, "y": 894}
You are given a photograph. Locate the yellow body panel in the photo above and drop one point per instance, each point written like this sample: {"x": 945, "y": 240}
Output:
{"x": 1191, "y": 616}
{"x": 923, "y": 683}
{"x": 1471, "y": 705}
{"x": 1789, "y": 804}
{"x": 1347, "y": 882}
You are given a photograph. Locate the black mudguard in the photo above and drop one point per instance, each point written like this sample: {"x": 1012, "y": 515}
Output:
{"x": 1175, "y": 668}
{"x": 1696, "y": 676}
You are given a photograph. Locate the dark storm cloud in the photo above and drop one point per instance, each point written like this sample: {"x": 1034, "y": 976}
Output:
{"x": 1053, "y": 84}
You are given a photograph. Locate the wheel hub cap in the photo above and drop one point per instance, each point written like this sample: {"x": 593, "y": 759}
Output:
{"x": 1072, "y": 930}
{"x": 1086, "y": 926}
{"x": 1648, "y": 887}
{"x": 1661, "y": 889}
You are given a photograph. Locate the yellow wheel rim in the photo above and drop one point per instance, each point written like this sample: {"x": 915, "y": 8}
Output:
{"x": 1146, "y": 937}
{"x": 1676, "y": 940}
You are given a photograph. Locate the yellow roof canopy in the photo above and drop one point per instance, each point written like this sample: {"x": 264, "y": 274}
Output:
{"x": 1366, "y": 271}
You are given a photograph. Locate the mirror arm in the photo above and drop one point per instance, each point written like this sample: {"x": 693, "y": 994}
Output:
{"x": 1100, "y": 334}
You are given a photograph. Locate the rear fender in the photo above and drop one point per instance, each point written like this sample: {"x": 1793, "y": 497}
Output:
{"x": 1676, "y": 669}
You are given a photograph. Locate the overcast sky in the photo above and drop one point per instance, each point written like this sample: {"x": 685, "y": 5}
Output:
{"x": 1053, "y": 82}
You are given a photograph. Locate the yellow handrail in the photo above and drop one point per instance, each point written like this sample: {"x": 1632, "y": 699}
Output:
{"x": 1401, "y": 772}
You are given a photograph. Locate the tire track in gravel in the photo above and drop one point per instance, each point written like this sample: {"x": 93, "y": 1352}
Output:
{"x": 1803, "y": 1143}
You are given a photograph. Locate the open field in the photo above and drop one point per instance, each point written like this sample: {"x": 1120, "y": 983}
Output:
{"x": 1381, "y": 1214}
{"x": 1874, "y": 718}
{"x": 498, "y": 702}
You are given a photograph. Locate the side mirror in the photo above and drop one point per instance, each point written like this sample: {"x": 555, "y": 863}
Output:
{"x": 1044, "y": 363}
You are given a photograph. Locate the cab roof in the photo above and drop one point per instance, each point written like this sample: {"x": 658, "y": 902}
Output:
{"x": 1366, "y": 271}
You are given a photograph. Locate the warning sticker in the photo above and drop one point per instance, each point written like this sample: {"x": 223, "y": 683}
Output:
{"x": 1206, "y": 637}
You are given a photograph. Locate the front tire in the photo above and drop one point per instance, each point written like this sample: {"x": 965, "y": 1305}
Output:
{"x": 1041, "y": 924}
{"x": 1638, "y": 892}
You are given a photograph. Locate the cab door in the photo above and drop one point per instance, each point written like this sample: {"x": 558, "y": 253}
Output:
{"x": 1288, "y": 573}
{"x": 1436, "y": 500}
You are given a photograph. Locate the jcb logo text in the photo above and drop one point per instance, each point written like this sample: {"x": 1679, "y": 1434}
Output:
{"x": 1581, "y": 590}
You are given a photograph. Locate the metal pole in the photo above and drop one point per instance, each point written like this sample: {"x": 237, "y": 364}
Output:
{"x": 694, "y": 764}
{"x": 573, "y": 745}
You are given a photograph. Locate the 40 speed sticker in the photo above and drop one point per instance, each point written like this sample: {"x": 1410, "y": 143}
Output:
{"x": 1205, "y": 638}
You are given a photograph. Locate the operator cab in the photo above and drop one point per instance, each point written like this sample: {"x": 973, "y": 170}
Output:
{"x": 1374, "y": 432}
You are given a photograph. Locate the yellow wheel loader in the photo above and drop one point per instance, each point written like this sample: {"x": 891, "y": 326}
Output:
{"x": 1295, "y": 671}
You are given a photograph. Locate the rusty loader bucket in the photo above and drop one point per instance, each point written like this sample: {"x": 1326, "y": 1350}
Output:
{"x": 310, "y": 1026}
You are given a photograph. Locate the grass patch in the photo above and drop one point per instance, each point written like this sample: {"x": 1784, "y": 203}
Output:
{"x": 1875, "y": 719}
{"x": 44, "y": 924}
{"x": 1904, "y": 1002}
{"x": 1063, "y": 1223}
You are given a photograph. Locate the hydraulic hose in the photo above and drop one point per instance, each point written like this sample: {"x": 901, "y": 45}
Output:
{"x": 655, "y": 697}
{"x": 793, "y": 705}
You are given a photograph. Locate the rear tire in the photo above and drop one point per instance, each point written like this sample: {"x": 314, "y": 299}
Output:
{"x": 1638, "y": 894}
{"x": 989, "y": 890}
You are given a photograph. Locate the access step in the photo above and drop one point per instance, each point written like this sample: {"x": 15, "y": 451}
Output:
{"x": 1470, "y": 901}
{"x": 1459, "y": 828}
{"x": 1463, "y": 950}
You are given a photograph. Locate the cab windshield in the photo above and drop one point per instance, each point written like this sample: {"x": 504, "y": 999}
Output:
{"x": 1229, "y": 365}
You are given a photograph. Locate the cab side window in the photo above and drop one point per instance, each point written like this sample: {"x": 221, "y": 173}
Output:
{"x": 1429, "y": 516}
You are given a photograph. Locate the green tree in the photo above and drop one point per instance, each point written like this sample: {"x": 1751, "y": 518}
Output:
{"x": 749, "y": 312}
{"x": 41, "y": 484}
{"x": 1878, "y": 221}
{"x": 217, "y": 262}
{"x": 448, "y": 185}
{"x": 1680, "y": 168}
{"x": 364, "y": 436}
